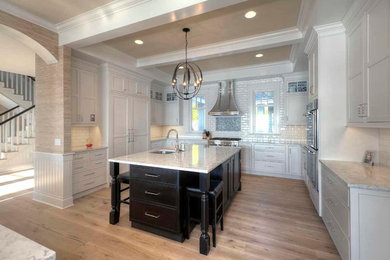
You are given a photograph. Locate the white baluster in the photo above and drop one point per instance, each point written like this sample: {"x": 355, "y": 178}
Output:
{"x": 17, "y": 130}
{"x": 33, "y": 122}
{"x": 5, "y": 137}
{"x": 23, "y": 127}
{"x": 12, "y": 133}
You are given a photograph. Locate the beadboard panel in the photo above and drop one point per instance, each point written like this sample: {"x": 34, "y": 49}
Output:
{"x": 53, "y": 179}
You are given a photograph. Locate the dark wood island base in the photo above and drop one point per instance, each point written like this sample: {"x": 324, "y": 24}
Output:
{"x": 157, "y": 197}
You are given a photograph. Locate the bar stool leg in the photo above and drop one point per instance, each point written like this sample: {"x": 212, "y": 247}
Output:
{"x": 214, "y": 235}
{"x": 221, "y": 223}
{"x": 188, "y": 217}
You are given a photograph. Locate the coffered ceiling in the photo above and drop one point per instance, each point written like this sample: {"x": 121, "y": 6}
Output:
{"x": 238, "y": 60}
{"x": 55, "y": 11}
{"x": 220, "y": 25}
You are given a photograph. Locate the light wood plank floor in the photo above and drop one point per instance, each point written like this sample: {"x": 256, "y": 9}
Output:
{"x": 270, "y": 218}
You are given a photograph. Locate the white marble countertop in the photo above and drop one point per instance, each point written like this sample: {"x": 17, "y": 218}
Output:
{"x": 359, "y": 175}
{"x": 196, "y": 158}
{"x": 85, "y": 149}
{"x": 15, "y": 246}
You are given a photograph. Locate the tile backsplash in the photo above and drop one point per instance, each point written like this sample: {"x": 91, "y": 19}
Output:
{"x": 232, "y": 123}
{"x": 80, "y": 134}
{"x": 384, "y": 147}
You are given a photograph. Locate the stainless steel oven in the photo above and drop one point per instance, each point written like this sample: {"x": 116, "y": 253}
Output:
{"x": 312, "y": 142}
{"x": 312, "y": 129}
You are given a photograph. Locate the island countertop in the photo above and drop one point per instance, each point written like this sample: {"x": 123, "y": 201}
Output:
{"x": 196, "y": 158}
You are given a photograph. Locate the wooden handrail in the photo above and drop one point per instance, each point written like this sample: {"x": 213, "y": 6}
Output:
{"x": 9, "y": 110}
{"x": 18, "y": 114}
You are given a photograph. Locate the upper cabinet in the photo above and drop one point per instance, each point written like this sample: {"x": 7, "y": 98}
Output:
{"x": 296, "y": 99}
{"x": 84, "y": 93}
{"x": 166, "y": 108}
{"x": 368, "y": 58}
{"x": 313, "y": 73}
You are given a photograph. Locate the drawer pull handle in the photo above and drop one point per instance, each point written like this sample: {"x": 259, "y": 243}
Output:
{"x": 89, "y": 174}
{"x": 152, "y": 193}
{"x": 89, "y": 183}
{"x": 152, "y": 175}
{"x": 151, "y": 215}
{"x": 78, "y": 168}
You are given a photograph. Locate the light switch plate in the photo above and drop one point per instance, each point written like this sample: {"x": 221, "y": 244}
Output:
{"x": 57, "y": 142}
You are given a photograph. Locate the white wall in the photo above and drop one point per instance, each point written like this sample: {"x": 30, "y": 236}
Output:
{"x": 15, "y": 56}
{"x": 338, "y": 142}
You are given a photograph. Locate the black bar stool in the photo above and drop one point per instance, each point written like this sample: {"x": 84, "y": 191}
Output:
{"x": 215, "y": 206}
{"x": 124, "y": 178}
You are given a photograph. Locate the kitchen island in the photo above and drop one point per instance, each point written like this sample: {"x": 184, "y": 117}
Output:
{"x": 158, "y": 182}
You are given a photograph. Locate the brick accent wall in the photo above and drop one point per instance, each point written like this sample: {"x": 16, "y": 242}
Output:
{"x": 53, "y": 103}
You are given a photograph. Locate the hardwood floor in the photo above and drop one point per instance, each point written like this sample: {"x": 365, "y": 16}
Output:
{"x": 270, "y": 218}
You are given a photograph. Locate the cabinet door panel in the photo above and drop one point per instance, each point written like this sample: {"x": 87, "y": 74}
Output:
{"x": 118, "y": 83}
{"x": 296, "y": 107}
{"x": 294, "y": 160}
{"x": 140, "y": 116}
{"x": 87, "y": 84}
{"x": 355, "y": 98}
{"x": 378, "y": 32}
{"x": 88, "y": 108}
{"x": 379, "y": 92}
{"x": 140, "y": 143}
{"x": 355, "y": 51}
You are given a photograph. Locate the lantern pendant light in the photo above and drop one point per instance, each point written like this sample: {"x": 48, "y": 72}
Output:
{"x": 187, "y": 77}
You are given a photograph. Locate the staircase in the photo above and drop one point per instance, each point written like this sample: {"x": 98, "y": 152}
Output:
{"x": 17, "y": 124}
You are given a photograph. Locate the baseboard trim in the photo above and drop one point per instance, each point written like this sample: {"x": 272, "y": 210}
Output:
{"x": 53, "y": 201}
{"x": 84, "y": 193}
{"x": 286, "y": 176}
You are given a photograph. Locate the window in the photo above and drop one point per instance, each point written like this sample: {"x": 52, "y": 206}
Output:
{"x": 265, "y": 112}
{"x": 198, "y": 113}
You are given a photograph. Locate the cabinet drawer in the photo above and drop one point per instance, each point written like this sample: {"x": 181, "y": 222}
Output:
{"x": 97, "y": 164}
{"x": 270, "y": 167}
{"x": 88, "y": 184}
{"x": 269, "y": 156}
{"x": 269, "y": 147}
{"x": 77, "y": 157}
{"x": 336, "y": 186}
{"x": 156, "y": 216}
{"x": 339, "y": 211}
{"x": 153, "y": 174}
{"x": 152, "y": 192}
{"x": 91, "y": 174}
{"x": 79, "y": 166}
{"x": 98, "y": 155}
{"x": 340, "y": 240}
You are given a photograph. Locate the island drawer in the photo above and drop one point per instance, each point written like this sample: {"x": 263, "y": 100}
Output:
{"x": 153, "y": 174}
{"x": 152, "y": 192}
{"x": 336, "y": 186}
{"x": 160, "y": 217}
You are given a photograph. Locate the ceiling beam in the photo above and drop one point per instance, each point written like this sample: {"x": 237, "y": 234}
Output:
{"x": 123, "y": 17}
{"x": 252, "y": 43}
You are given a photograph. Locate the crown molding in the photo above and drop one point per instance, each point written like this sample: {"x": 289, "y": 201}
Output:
{"x": 257, "y": 42}
{"x": 355, "y": 12}
{"x": 311, "y": 42}
{"x": 329, "y": 29}
{"x": 16, "y": 11}
{"x": 122, "y": 17}
{"x": 100, "y": 12}
{"x": 304, "y": 16}
{"x": 254, "y": 71}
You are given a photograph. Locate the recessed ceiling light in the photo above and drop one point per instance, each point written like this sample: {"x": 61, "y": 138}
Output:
{"x": 250, "y": 14}
{"x": 139, "y": 42}
{"x": 259, "y": 55}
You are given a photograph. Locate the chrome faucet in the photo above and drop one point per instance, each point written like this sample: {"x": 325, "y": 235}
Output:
{"x": 177, "y": 138}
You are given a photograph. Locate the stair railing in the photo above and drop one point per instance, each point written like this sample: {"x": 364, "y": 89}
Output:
{"x": 10, "y": 112}
{"x": 21, "y": 84}
{"x": 16, "y": 129}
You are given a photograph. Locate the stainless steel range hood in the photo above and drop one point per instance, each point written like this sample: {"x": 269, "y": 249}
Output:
{"x": 225, "y": 105}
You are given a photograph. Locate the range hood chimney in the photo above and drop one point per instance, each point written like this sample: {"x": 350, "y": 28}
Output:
{"x": 225, "y": 105}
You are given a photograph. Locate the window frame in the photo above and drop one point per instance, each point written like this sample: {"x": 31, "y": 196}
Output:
{"x": 252, "y": 107}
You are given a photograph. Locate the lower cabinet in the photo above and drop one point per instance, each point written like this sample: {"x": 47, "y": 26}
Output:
{"x": 356, "y": 218}
{"x": 279, "y": 160}
{"x": 89, "y": 171}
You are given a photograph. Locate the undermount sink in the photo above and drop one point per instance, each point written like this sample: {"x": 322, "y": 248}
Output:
{"x": 164, "y": 151}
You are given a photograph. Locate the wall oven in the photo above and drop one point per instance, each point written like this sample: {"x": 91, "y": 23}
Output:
{"x": 312, "y": 142}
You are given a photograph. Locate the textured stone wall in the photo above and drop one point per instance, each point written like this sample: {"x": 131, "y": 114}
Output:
{"x": 53, "y": 103}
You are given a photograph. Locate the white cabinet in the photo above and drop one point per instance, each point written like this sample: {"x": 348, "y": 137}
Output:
{"x": 313, "y": 73}
{"x": 246, "y": 157}
{"x": 84, "y": 93}
{"x": 368, "y": 63}
{"x": 304, "y": 163}
{"x": 89, "y": 171}
{"x": 129, "y": 115}
{"x": 157, "y": 112}
{"x": 173, "y": 113}
{"x": 296, "y": 108}
{"x": 294, "y": 160}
